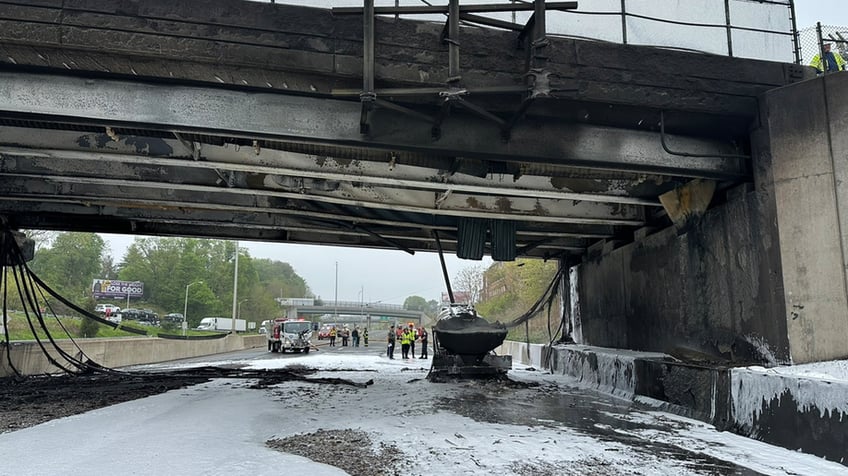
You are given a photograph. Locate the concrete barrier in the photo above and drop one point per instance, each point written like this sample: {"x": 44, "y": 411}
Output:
{"x": 809, "y": 414}
{"x": 29, "y": 359}
{"x": 532, "y": 355}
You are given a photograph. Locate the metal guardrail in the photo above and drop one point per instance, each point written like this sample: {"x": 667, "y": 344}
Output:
{"x": 631, "y": 19}
{"x": 737, "y": 28}
{"x": 364, "y": 305}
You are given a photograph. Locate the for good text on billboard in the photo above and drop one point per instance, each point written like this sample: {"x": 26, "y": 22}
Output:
{"x": 111, "y": 288}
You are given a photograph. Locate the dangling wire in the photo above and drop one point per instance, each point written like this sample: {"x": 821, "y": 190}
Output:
{"x": 547, "y": 296}
{"x": 29, "y": 288}
{"x": 5, "y": 313}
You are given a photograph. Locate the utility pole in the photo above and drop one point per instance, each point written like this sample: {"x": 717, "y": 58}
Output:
{"x": 361, "y": 301}
{"x": 336, "y": 300}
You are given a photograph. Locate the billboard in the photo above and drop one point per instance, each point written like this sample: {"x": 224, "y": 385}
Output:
{"x": 112, "y": 288}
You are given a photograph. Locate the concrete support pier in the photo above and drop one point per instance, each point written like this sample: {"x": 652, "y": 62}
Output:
{"x": 808, "y": 130}
{"x": 761, "y": 276}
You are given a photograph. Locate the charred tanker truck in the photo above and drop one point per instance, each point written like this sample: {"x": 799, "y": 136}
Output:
{"x": 464, "y": 345}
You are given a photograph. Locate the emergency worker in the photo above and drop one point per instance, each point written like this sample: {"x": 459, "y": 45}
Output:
{"x": 365, "y": 336}
{"x": 333, "y": 336}
{"x": 833, "y": 61}
{"x": 422, "y": 334}
{"x": 412, "y": 336}
{"x": 404, "y": 344}
{"x": 390, "y": 337}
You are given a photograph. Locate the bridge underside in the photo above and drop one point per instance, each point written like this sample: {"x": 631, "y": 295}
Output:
{"x": 243, "y": 120}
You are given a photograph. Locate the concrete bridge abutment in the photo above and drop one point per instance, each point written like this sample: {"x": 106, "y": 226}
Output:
{"x": 760, "y": 278}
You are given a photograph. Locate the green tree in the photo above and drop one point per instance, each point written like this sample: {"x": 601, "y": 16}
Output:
{"x": 89, "y": 327}
{"x": 168, "y": 265}
{"x": 511, "y": 288}
{"x": 71, "y": 263}
{"x": 415, "y": 303}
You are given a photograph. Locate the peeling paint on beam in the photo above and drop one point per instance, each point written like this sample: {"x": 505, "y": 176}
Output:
{"x": 130, "y": 193}
{"x": 278, "y": 116}
{"x": 375, "y": 173}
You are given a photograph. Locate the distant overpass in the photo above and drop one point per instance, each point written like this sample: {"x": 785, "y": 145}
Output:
{"x": 350, "y": 311}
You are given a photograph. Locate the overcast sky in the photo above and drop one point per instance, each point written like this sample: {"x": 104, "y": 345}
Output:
{"x": 392, "y": 276}
{"x": 828, "y": 12}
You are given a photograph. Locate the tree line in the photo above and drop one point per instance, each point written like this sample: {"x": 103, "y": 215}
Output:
{"x": 70, "y": 262}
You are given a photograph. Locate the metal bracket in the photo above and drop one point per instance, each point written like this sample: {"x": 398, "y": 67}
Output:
{"x": 537, "y": 78}
{"x": 368, "y": 100}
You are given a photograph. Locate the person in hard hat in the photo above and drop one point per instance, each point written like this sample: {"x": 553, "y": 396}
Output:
{"x": 832, "y": 63}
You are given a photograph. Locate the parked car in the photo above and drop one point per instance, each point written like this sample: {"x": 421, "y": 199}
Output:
{"x": 324, "y": 333}
{"x": 131, "y": 314}
{"x": 149, "y": 317}
{"x": 102, "y": 308}
{"x": 174, "y": 318}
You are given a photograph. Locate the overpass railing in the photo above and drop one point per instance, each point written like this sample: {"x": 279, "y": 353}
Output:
{"x": 758, "y": 29}
{"x": 353, "y": 304}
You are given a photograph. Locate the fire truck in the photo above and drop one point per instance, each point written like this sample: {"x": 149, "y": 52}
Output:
{"x": 289, "y": 334}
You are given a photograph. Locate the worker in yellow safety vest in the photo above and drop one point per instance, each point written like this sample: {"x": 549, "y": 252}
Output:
{"x": 833, "y": 61}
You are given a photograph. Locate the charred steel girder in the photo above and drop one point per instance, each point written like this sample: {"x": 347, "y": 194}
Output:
{"x": 537, "y": 77}
{"x": 332, "y": 122}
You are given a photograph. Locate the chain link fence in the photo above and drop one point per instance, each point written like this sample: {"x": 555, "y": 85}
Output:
{"x": 808, "y": 41}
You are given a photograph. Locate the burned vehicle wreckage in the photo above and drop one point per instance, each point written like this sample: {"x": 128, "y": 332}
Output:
{"x": 464, "y": 343}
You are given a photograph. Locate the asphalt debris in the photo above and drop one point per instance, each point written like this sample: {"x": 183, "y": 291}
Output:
{"x": 350, "y": 450}
{"x": 29, "y": 401}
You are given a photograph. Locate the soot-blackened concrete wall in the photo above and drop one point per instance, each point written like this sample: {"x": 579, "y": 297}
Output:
{"x": 761, "y": 277}
{"x": 711, "y": 292}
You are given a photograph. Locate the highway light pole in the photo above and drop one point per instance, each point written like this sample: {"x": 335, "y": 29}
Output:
{"x": 235, "y": 290}
{"x": 185, "y": 306}
{"x": 361, "y": 302}
{"x": 336, "y": 299}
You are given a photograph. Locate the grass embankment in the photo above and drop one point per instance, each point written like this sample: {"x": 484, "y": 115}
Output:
{"x": 59, "y": 328}
{"x": 537, "y": 325}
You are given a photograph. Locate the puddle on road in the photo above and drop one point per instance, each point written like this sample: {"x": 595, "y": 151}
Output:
{"x": 595, "y": 415}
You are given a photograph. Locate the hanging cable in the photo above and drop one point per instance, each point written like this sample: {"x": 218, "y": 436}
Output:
{"x": 537, "y": 306}
{"x": 5, "y": 287}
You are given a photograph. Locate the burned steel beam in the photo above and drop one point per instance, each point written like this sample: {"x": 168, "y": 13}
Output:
{"x": 210, "y": 110}
{"x": 276, "y": 165}
{"x": 397, "y": 200}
